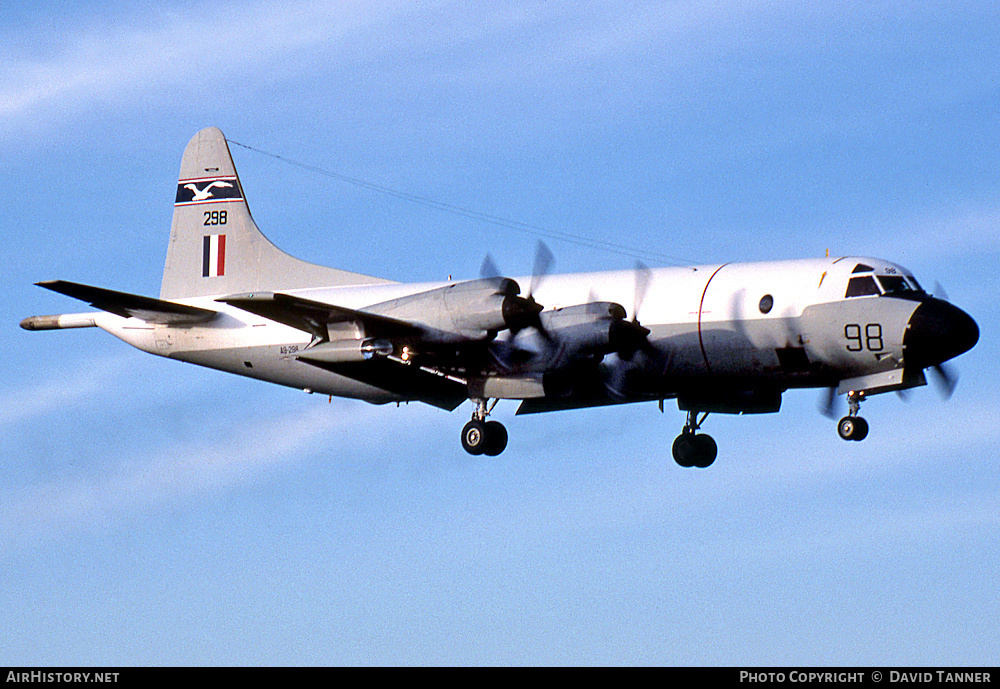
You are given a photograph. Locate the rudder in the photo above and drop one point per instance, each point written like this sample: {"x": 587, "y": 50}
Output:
{"x": 215, "y": 246}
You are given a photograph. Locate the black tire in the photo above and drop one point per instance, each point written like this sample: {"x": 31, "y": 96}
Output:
{"x": 474, "y": 437}
{"x": 496, "y": 438}
{"x": 853, "y": 428}
{"x": 860, "y": 429}
{"x": 685, "y": 450}
{"x": 707, "y": 450}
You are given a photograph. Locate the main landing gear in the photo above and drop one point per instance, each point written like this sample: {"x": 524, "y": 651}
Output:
{"x": 852, "y": 426}
{"x": 482, "y": 437}
{"x": 693, "y": 449}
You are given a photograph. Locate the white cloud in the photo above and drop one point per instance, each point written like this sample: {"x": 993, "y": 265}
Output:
{"x": 174, "y": 49}
{"x": 144, "y": 477}
{"x": 537, "y": 46}
{"x": 83, "y": 384}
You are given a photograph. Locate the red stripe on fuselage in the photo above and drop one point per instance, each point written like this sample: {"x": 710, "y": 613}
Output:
{"x": 701, "y": 305}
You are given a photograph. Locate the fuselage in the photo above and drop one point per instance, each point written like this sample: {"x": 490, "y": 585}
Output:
{"x": 728, "y": 338}
{"x": 748, "y": 326}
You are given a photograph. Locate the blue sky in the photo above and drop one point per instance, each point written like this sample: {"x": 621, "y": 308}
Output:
{"x": 156, "y": 513}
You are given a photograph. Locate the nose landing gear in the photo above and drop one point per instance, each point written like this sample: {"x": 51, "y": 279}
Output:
{"x": 482, "y": 437}
{"x": 852, "y": 426}
{"x": 693, "y": 449}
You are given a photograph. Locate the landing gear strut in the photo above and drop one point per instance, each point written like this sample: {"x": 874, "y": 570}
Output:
{"x": 693, "y": 449}
{"x": 852, "y": 426}
{"x": 482, "y": 437}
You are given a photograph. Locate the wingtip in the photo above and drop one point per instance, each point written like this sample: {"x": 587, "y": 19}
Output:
{"x": 63, "y": 321}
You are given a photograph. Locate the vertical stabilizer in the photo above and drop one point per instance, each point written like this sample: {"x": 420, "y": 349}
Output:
{"x": 215, "y": 246}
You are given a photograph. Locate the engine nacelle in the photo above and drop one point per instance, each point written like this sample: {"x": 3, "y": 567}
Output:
{"x": 474, "y": 309}
{"x": 346, "y": 351}
{"x": 593, "y": 329}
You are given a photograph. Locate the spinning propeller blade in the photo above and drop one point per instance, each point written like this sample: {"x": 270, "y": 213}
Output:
{"x": 946, "y": 380}
{"x": 828, "y": 406}
{"x": 488, "y": 270}
{"x": 543, "y": 262}
{"x": 523, "y": 312}
{"x": 643, "y": 276}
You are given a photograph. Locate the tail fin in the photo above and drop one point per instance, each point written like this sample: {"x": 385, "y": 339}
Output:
{"x": 215, "y": 246}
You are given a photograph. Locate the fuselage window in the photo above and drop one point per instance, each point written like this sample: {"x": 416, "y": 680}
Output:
{"x": 766, "y": 303}
{"x": 893, "y": 283}
{"x": 861, "y": 286}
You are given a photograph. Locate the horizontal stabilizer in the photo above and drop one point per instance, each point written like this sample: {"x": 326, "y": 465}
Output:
{"x": 132, "y": 305}
{"x": 314, "y": 317}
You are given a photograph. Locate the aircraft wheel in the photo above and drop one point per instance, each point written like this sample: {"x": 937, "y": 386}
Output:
{"x": 695, "y": 450}
{"x": 861, "y": 432}
{"x": 853, "y": 428}
{"x": 707, "y": 450}
{"x": 474, "y": 437}
{"x": 685, "y": 450}
{"x": 496, "y": 438}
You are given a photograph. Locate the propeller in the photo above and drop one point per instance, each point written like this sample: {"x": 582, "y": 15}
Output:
{"x": 946, "y": 380}
{"x": 630, "y": 334}
{"x": 488, "y": 270}
{"x": 636, "y": 359}
{"x": 523, "y": 312}
{"x": 643, "y": 276}
{"x": 828, "y": 405}
{"x": 543, "y": 262}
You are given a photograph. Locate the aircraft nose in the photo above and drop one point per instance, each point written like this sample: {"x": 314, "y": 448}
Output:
{"x": 938, "y": 331}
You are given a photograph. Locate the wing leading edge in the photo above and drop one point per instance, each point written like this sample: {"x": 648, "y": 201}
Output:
{"x": 128, "y": 305}
{"x": 315, "y": 317}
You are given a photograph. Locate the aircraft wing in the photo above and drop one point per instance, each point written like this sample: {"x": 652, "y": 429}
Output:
{"x": 132, "y": 305}
{"x": 409, "y": 381}
{"x": 314, "y": 317}
{"x": 440, "y": 386}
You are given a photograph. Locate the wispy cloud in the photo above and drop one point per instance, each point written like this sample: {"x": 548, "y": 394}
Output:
{"x": 195, "y": 48}
{"x": 145, "y": 477}
{"x": 91, "y": 376}
{"x": 188, "y": 49}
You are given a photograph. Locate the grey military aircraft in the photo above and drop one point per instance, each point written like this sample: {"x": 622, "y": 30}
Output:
{"x": 727, "y": 338}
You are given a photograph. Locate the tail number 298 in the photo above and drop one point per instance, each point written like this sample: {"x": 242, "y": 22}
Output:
{"x": 215, "y": 217}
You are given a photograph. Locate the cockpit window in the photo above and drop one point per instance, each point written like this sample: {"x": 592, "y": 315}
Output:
{"x": 861, "y": 286}
{"x": 894, "y": 284}
{"x": 862, "y": 268}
